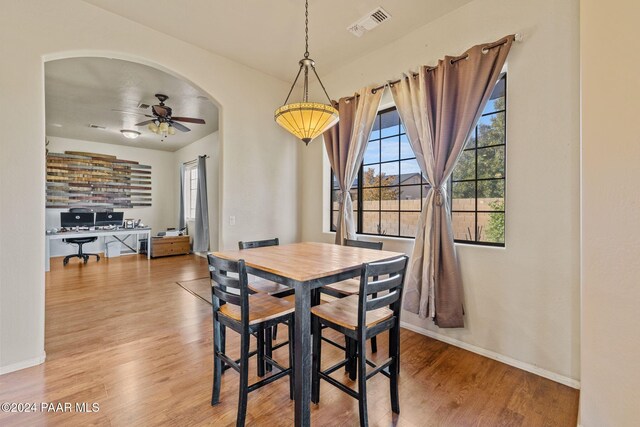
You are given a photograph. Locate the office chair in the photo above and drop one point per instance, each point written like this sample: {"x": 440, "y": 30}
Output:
{"x": 80, "y": 241}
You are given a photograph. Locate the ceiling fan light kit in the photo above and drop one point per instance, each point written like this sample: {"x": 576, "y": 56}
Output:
{"x": 305, "y": 119}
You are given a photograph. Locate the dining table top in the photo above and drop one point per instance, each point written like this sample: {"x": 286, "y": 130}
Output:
{"x": 307, "y": 260}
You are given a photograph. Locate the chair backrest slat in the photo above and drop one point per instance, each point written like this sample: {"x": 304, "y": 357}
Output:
{"x": 223, "y": 280}
{"x": 386, "y": 267}
{"x": 385, "y": 284}
{"x": 383, "y": 301}
{"x": 258, "y": 243}
{"x": 220, "y": 282}
{"x": 363, "y": 244}
{"x": 222, "y": 264}
{"x": 225, "y": 296}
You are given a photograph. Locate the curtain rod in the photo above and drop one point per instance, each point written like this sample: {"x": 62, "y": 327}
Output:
{"x": 195, "y": 160}
{"x": 516, "y": 37}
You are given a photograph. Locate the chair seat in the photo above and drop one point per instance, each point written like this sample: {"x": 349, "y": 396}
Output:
{"x": 80, "y": 240}
{"x": 346, "y": 287}
{"x": 344, "y": 312}
{"x": 262, "y": 307}
{"x": 266, "y": 286}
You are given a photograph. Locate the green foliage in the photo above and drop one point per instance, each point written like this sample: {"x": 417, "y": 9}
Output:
{"x": 491, "y": 161}
{"x": 373, "y": 180}
{"x": 495, "y": 228}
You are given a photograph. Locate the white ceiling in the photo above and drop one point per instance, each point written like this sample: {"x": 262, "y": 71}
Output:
{"x": 265, "y": 35}
{"x": 269, "y": 35}
{"x": 107, "y": 92}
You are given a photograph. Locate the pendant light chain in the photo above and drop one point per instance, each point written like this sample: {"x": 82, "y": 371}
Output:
{"x": 306, "y": 28}
{"x": 306, "y": 120}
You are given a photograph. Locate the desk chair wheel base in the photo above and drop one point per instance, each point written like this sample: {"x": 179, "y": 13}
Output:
{"x": 80, "y": 241}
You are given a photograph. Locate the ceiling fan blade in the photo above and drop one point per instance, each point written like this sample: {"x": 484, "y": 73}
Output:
{"x": 146, "y": 122}
{"x": 180, "y": 127}
{"x": 188, "y": 120}
{"x": 136, "y": 113}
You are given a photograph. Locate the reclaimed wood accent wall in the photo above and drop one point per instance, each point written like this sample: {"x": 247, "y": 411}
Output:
{"x": 78, "y": 179}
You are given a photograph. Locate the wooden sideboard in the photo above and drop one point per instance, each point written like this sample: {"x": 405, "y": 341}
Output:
{"x": 167, "y": 246}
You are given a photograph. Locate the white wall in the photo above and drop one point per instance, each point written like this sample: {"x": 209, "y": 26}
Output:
{"x": 159, "y": 216}
{"x": 259, "y": 160}
{"x": 209, "y": 146}
{"x": 610, "y": 341}
{"x": 521, "y": 302}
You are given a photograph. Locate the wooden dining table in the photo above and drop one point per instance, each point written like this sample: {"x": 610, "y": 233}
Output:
{"x": 304, "y": 267}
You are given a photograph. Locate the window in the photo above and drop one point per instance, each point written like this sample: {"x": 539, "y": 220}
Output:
{"x": 477, "y": 186}
{"x": 389, "y": 191}
{"x": 190, "y": 190}
{"x": 390, "y": 198}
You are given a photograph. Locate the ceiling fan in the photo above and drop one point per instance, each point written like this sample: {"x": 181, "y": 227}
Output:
{"x": 163, "y": 122}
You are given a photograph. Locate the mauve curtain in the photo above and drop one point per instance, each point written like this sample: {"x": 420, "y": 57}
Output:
{"x": 345, "y": 144}
{"x": 439, "y": 108}
{"x": 181, "y": 216}
{"x": 201, "y": 223}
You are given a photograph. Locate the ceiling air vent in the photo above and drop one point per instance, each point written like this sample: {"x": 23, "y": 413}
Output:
{"x": 369, "y": 22}
{"x": 92, "y": 126}
{"x": 143, "y": 106}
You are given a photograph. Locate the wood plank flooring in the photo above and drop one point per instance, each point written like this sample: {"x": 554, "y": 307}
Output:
{"x": 123, "y": 334}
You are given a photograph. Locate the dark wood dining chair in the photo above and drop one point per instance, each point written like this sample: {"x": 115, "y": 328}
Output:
{"x": 236, "y": 308}
{"x": 263, "y": 285}
{"x": 360, "y": 318}
{"x": 347, "y": 288}
{"x": 257, "y": 284}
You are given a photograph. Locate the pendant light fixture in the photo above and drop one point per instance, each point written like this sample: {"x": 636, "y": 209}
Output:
{"x": 305, "y": 119}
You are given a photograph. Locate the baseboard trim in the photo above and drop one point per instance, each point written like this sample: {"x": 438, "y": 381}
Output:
{"x": 23, "y": 365}
{"x": 570, "y": 382}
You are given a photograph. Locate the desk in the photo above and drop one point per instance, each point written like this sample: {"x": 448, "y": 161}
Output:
{"x": 304, "y": 267}
{"x": 126, "y": 232}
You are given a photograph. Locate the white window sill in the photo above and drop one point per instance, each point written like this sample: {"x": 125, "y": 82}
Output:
{"x": 411, "y": 240}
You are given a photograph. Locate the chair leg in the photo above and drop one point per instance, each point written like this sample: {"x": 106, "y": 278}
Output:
{"x": 394, "y": 353}
{"x": 217, "y": 362}
{"x": 347, "y": 354}
{"x": 244, "y": 379}
{"x": 315, "y": 362}
{"x": 352, "y": 364}
{"x": 291, "y": 362}
{"x": 275, "y": 332}
{"x": 260, "y": 355}
{"x": 268, "y": 344}
{"x": 362, "y": 382}
{"x": 223, "y": 343}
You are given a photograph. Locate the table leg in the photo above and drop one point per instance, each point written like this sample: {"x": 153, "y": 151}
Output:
{"x": 302, "y": 345}
{"x": 149, "y": 244}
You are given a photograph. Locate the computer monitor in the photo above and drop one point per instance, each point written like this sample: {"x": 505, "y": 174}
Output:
{"x": 109, "y": 218}
{"x": 76, "y": 219}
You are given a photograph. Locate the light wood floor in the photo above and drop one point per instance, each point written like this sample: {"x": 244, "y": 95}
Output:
{"x": 122, "y": 333}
